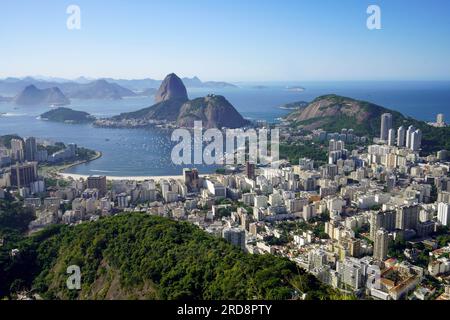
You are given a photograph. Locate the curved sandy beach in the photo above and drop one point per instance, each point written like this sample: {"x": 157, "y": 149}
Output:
{"x": 75, "y": 176}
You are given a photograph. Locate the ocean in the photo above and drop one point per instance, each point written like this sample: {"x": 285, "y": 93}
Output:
{"x": 145, "y": 152}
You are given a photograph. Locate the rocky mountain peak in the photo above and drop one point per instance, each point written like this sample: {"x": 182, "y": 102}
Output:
{"x": 171, "y": 88}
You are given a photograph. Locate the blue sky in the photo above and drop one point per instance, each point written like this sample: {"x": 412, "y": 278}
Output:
{"x": 232, "y": 40}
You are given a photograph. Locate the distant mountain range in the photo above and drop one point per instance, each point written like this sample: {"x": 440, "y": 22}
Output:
{"x": 195, "y": 82}
{"x": 32, "y": 91}
{"x": 101, "y": 89}
{"x": 173, "y": 105}
{"x": 10, "y": 87}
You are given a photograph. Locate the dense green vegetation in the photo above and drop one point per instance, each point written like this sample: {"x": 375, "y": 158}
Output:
{"x": 67, "y": 114}
{"x": 82, "y": 154}
{"x": 13, "y": 217}
{"x": 141, "y": 256}
{"x": 316, "y": 225}
{"x": 14, "y": 220}
{"x": 293, "y": 152}
{"x": 53, "y": 182}
{"x": 85, "y": 154}
{"x": 52, "y": 148}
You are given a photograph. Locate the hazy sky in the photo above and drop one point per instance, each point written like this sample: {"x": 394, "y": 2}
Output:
{"x": 232, "y": 40}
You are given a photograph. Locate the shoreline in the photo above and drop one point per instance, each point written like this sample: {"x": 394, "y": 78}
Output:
{"x": 98, "y": 155}
{"x": 58, "y": 170}
{"x": 75, "y": 176}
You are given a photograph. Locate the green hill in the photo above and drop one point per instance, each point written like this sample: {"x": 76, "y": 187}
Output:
{"x": 137, "y": 256}
{"x": 67, "y": 115}
{"x": 333, "y": 113}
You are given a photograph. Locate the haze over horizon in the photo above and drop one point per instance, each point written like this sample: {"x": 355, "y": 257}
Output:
{"x": 234, "y": 41}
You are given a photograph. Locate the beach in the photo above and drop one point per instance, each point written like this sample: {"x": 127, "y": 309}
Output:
{"x": 121, "y": 178}
{"x": 75, "y": 176}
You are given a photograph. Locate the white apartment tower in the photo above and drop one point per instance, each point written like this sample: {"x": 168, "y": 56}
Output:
{"x": 443, "y": 213}
{"x": 416, "y": 140}
{"x": 409, "y": 133}
{"x": 401, "y": 136}
{"x": 391, "y": 137}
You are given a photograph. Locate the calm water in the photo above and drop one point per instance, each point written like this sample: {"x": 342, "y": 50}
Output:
{"x": 140, "y": 152}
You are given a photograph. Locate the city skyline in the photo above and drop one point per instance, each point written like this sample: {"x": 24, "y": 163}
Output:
{"x": 309, "y": 159}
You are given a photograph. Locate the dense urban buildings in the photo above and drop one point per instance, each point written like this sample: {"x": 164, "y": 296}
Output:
{"x": 99, "y": 183}
{"x": 371, "y": 221}
{"x": 22, "y": 175}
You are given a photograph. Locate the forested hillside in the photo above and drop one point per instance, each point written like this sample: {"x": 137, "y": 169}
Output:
{"x": 136, "y": 256}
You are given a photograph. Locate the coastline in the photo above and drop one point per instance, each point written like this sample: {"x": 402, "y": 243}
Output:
{"x": 58, "y": 170}
{"x": 98, "y": 155}
{"x": 75, "y": 176}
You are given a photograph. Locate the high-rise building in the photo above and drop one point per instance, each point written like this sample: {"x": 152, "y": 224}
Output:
{"x": 391, "y": 137}
{"x": 235, "y": 236}
{"x": 261, "y": 202}
{"x": 329, "y": 171}
{"x": 191, "y": 179}
{"x": 334, "y": 156}
{"x": 30, "y": 149}
{"x": 409, "y": 133}
{"x": 378, "y": 220}
{"x": 336, "y": 145}
{"x": 416, "y": 140}
{"x": 17, "y": 150}
{"x": 250, "y": 170}
{"x": 336, "y": 150}
{"x": 23, "y": 174}
{"x": 440, "y": 119}
{"x": 401, "y": 136}
{"x": 407, "y": 217}
{"x": 381, "y": 245}
{"x": 99, "y": 183}
{"x": 317, "y": 258}
{"x": 352, "y": 272}
{"x": 354, "y": 247}
{"x": 122, "y": 200}
{"x": 444, "y": 213}
{"x": 386, "y": 125}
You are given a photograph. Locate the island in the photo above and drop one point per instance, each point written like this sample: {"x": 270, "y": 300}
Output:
{"x": 295, "y": 89}
{"x": 67, "y": 115}
{"x": 294, "y": 105}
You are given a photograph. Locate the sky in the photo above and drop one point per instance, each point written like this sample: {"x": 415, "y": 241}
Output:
{"x": 232, "y": 40}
